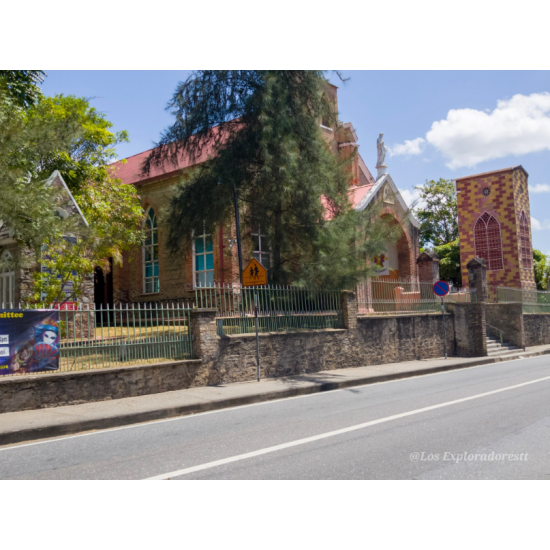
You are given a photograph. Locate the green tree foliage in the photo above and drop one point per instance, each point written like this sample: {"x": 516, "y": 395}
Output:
{"x": 23, "y": 87}
{"x": 439, "y": 216}
{"x": 114, "y": 217}
{"x": 259, "y": 131}
{"x": 542, "y": 269}
{"x": 449, "y": 258}
{"x": 25, "y": 139}
{"x": 66, "y": 134}
{"x": 93, "y": 148}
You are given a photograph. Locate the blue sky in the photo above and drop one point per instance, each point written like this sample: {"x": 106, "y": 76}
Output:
{"x": 436, "y": 123}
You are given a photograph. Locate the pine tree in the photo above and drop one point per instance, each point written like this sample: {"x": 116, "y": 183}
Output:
{"x": 260, "y": 130}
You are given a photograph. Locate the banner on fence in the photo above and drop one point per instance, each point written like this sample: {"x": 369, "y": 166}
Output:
{"x": 29, "y": 340}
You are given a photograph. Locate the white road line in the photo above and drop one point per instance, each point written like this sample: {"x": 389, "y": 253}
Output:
{"x": 306, "y": 440}
{"x": 261, "y": 403}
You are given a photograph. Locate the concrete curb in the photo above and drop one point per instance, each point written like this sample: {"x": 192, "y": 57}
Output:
{"x": 44, "y": 432}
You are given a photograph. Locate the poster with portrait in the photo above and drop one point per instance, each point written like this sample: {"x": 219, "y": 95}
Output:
{"x": 29, "y": 341}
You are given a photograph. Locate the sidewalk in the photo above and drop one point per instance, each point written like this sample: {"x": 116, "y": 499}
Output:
{"x": 22, "y": 426}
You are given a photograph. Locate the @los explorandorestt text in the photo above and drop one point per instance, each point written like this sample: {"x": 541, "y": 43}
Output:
{"x": 468, "y": 457}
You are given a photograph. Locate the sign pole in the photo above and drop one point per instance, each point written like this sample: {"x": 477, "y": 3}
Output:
{"x": 444, "y": 325}
{"x": 238, "y": 229}
{"x": 441, "y": 289}
{"x": 257, "y": 335}
{"x": 255, "y": 275}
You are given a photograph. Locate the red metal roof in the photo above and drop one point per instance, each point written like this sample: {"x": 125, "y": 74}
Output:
{"x": 357, "y": 193}
{"x": 130, "y": 171}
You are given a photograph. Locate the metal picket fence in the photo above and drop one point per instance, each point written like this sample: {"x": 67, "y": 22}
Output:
{"x": 532, "y": 300}
{"x": 280, "y": 308}
{"x": 120, "y": 335}
{"x": 394, "y": 296}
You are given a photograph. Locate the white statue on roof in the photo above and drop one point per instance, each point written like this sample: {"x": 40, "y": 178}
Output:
{"x": 381, "y": 148}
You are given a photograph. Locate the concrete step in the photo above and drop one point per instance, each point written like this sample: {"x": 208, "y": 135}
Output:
{"x": 500, "y": 346}
{"x": 502, "y": 352}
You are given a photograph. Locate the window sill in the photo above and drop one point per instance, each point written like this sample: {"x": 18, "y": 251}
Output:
{"x": 149, "y": 294}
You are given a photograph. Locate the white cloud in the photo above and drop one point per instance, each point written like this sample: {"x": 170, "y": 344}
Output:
{"x": 516, "y": 126}
{"x": 410, "y": 196}
{"x": 409, "y": 147}
{"x": 539, "y": 188}
{"x": 538, "y": 226}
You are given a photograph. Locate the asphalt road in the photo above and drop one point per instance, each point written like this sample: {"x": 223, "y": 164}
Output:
{"x": 489, "y": 422}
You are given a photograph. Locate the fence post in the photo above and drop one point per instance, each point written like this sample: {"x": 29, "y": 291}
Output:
{"x": 348, "y": 302}
{"x": 477, "y": 278}
{"x": 204, "y": 333}
{"x": 428, "y": 267}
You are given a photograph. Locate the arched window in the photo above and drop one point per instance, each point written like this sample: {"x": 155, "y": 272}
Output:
{"x": 203, "y": 266}
{"x": 525, "y": 242}
{"x": 7, "y": 281}
{"x": 488, "y": 242}
{"x": 151, "y": 254}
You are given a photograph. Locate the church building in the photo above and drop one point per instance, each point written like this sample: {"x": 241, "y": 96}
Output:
{"x": 152, "y": 274}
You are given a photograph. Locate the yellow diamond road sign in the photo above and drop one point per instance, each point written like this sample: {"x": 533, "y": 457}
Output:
{"x": 254, "y": 274}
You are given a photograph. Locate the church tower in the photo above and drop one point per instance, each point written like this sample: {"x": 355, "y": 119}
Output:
{"x": 494, "y": 223}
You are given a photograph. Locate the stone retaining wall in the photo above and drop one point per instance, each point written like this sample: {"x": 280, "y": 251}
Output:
{"x": 19, "y": 393}
{"x": 537, "y": 328}
{"x": 374, "y": 341}
{"x": 363, "y": 341}
{"x": 366, "y": 341}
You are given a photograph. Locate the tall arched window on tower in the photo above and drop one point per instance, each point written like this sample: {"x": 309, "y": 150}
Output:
{"x": 151, "y": 254}
{"x": 525, "y": 242}
{"x": 488, "y": 241}
{"x": 7, "y": 280}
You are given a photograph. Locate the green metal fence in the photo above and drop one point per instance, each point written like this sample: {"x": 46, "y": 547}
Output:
{"x": 280, "y": 308}
{"x": 387, "y": 296}
{"x": 121, "y": 335}
{"x": 533, "y": 301}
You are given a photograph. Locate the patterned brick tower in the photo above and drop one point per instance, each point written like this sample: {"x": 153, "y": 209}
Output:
{"x": 494, "y": 223}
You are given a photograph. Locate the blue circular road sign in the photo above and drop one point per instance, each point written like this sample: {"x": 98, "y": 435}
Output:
{"x": 441, "y": 288}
